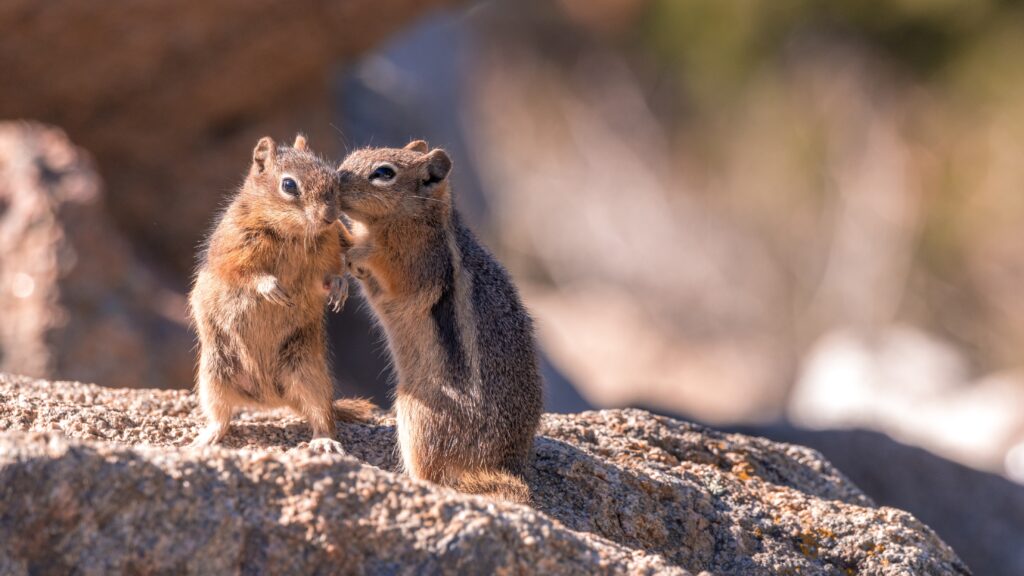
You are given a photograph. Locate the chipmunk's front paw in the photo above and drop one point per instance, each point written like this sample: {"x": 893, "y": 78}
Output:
{"x": 268, "y": 287}
{"x": 358, "y": 271}
{"x": 337, "y": 292}
{"x": 326, "y": 446}
{"x": 355, "y": 261}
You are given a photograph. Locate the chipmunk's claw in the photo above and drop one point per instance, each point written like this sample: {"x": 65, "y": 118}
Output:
{"x": 337, "y": 293}
{"x": 326, "y": 446}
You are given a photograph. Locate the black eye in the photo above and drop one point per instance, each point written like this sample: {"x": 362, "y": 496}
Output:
{"x": 384, "y": 173}
{"x": 289, "y": 186}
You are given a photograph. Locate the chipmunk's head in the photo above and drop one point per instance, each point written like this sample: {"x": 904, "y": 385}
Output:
{"x": 395, "y": 182}
{"x": 298, "y": 188}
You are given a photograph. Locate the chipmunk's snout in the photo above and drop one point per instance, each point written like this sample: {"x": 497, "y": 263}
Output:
{"x": 323, "y": 212}
{"x": 344, "y": 177}
{"x": 329, "y": 213}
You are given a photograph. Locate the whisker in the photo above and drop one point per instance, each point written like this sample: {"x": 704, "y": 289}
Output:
{"x": 430, "y": 199}
{"x": 344, "y": 141}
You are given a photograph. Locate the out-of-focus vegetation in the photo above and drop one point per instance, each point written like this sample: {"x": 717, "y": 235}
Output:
{"x": 950, "y": 69}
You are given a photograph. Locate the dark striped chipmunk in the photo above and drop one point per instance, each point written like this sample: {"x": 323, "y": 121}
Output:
{"x": 469, "y": 393}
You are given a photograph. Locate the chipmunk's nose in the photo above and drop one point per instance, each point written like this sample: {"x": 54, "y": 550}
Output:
{"x": 344, "y": 176}
{"x": 330, "y": 214}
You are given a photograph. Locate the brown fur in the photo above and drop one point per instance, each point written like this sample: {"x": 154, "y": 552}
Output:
{"x": 353, "y": 409}
{"x": 257, "y": 303}
{"x": 468, "y": 399}
{"x": 496, "y": 484}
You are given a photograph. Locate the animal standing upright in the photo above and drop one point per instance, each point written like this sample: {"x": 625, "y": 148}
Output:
{"x": 469, "y": 394}
{"x": 271, "y": 264}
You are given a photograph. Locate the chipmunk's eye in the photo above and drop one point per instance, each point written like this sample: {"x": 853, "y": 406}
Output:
{"x": 289, "y": 186}
{"x": 383, "y": 173}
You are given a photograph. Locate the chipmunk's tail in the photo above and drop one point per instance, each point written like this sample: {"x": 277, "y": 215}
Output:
{"x": 351, "y": 410}
{"x": 496, "y": 484}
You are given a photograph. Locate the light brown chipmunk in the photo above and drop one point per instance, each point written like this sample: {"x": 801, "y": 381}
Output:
{"x": 273, "y": 261}
{"x": 468, "y": 400}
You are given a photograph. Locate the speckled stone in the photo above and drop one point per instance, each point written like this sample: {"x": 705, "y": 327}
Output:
{"x": 96, "y": 479}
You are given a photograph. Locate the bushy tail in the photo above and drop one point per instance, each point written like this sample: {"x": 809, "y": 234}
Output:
{"x": 496, "y": 484}
{"x": 351, "y": 410}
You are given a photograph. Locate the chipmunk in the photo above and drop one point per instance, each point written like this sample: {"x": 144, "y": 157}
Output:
{"x": 469, "y": 394}
{"x": 271, "y": 264}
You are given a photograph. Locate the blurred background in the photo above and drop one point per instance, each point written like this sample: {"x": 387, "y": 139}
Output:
{"x": 798, "y": 219}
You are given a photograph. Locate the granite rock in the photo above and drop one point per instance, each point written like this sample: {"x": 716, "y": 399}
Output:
{"x": 97, "y": 479}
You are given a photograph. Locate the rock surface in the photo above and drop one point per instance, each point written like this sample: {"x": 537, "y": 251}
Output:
{"x": 94, "y": 478}
{"x": 977, "y": 513}
{"x": 74, "y": 300}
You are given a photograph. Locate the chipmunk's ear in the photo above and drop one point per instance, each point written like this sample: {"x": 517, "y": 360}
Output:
{"x": 300, "y": 142}
{"x": 417, "y": 146}
{"x": 438, "y": 166}
{"x": 263, "y": 154}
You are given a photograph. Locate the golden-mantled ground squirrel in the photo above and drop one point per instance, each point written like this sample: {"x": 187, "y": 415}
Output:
{"x": 469, "y": 391}
{"x": 273, "y": 261}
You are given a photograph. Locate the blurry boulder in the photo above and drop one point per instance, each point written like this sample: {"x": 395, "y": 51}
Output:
{"x": 171, "y": 96}
{"x": 74, "y": 302}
